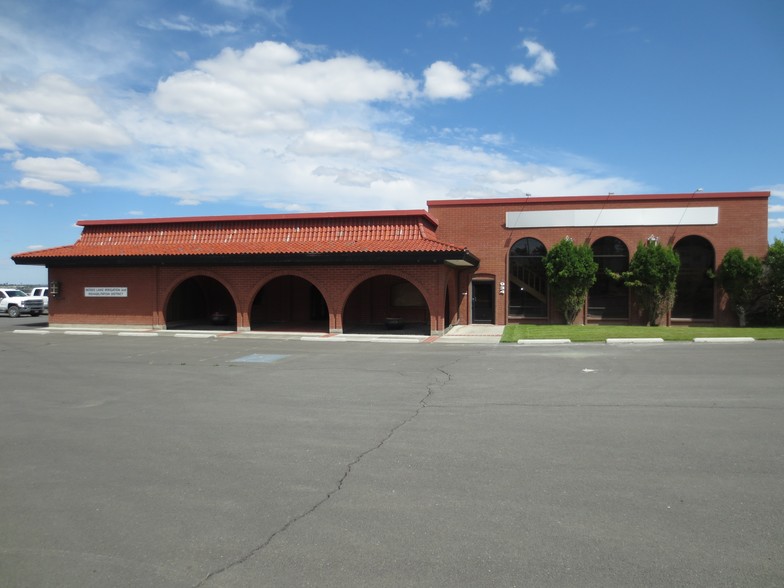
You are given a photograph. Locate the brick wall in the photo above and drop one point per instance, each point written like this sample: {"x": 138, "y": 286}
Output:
{"x": 480, "y": 225}
{"x": 149, "y": 290}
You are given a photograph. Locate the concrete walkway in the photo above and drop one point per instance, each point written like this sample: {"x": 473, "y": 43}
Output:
{"x": 482, "y": 334}
{"x": 472, "y": 334}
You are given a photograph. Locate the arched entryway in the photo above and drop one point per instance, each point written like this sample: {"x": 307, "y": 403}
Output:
{"x": 289, "y": 303}
{"x": 385, "y": 304}
{"x": 694, "y": 297}
{"x": 201, "y": 302}
{"x": 527, "y": 279}
{"x": 609, "y": 298}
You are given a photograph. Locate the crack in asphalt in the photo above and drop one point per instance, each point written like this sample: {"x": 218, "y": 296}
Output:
{"x": 439, "y": 382}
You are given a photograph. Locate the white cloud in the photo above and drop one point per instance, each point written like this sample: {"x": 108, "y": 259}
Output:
{"x": 444, "y": 80}
{"x": 777, "y": 191}
{"x": 572, "y": 7}
{"x": 443, "y": 21}
{"x": 244, "y": 5}
{"x": 483, "y": 6}
{"x": 61, "y": 169}
{"x": 44, "y": 186}
{"x": 356, "y": 176}
{"x": 269, "y": 87}
{"x": 184, "y": 23}
{"x": 776, "y": 223}
{"x": 776, "y": 208}
{"x": 354, "y": 141}
{"x": 54, "y": 113}
{"x": 279, "y": 127}
{"x": 4, "y": 202}
{"x": 544, "y": 65}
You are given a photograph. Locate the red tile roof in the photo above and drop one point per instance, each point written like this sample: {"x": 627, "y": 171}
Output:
{"x": 319, "y": 233}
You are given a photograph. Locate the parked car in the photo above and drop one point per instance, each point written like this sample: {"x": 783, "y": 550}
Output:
{"x": 16, "y": 303}
{"x": 42, "y": 292}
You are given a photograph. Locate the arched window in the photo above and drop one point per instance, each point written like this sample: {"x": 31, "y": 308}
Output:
{"x": 609, "y": 298}
{"x": 527, "y": 279}
{"x": 694, "y": 295}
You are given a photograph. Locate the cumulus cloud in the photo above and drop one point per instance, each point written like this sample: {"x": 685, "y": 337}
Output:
{"x": 353, "y": 141}
{"x": 47, "y": 174}
{"x": 444, "y": 80}
{"x": 54, "y": 113}
{"x": 544, "y": 65}
{"x": 44, "y": 186}
{"x": 267, "y": 87}
{"x": 355, "y": 176}
{"x": 776, "y": 208}
{"x": 61, "y": 169}
{"x": 276, "y": 126}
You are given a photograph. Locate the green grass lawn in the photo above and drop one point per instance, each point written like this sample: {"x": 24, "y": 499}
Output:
{"x": 588, "y": 333}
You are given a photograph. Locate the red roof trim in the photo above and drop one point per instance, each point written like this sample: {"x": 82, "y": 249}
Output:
{"x": 599, "y": 199}
{"x": 263, "y": 217}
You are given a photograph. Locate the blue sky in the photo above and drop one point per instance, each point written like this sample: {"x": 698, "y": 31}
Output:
{"x": 117, "y": 109}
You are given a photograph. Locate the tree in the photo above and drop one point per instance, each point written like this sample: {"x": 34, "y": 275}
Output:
{"x": 773, "y": 282}
{"x": 571, "y": 271}
{"x": 652, "y": 275}
{"x": 740, "y": 278}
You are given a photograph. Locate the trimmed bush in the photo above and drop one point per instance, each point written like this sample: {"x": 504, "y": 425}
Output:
{"x": 571, "y": 271}
{"x": 652, "y": 276}
{"x": 740, "y": 278}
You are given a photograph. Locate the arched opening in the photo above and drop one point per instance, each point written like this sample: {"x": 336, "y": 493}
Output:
{"x": 384, "y": 304}
{"x": 289, "y": 303}
{"x": 527, "y": 279}
{"x": 201, "y": 302}
{"x": 609, "y": 298}
{"x": 694, "y": 296}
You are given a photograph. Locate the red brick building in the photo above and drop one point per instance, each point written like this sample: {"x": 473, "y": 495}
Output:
{"x": 510, "y": 236}
{"x": 464, "y": 261}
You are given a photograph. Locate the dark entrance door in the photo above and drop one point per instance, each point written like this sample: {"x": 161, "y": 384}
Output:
{"x": 482, "y": 302}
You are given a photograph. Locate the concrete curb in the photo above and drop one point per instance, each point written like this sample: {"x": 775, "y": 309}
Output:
{"x": 724, "y": 339}
{"x": 83, "y": 333}
{"x": 543, "y": 341}
{"x": 634, "y": 340}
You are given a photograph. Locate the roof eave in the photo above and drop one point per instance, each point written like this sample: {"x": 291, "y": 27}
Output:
{"x": 357, "y": 258}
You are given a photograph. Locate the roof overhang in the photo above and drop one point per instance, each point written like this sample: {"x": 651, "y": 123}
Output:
{"x": 452, "y": 258}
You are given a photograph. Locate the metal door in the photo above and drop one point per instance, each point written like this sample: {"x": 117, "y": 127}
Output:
{"x": 482, "y": 307}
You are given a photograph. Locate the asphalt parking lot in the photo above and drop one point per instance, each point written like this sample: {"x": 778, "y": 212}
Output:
{"x": 186, "y": 462}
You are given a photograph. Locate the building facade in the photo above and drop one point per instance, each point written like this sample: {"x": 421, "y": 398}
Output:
{"x": 460, "y": 262}
{"x": 510, "y": 237}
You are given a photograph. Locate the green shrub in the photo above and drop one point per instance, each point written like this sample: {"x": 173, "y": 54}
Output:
{"x": 740, "y": 278}
{"x": 571, "y": 271}
{"x": 773, "y": 283}
{"x": 652, "y": 276}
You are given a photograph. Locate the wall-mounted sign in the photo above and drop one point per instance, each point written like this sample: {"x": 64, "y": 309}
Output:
{"x": 614, "y": 217}
{"x": 112, "y": 292}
